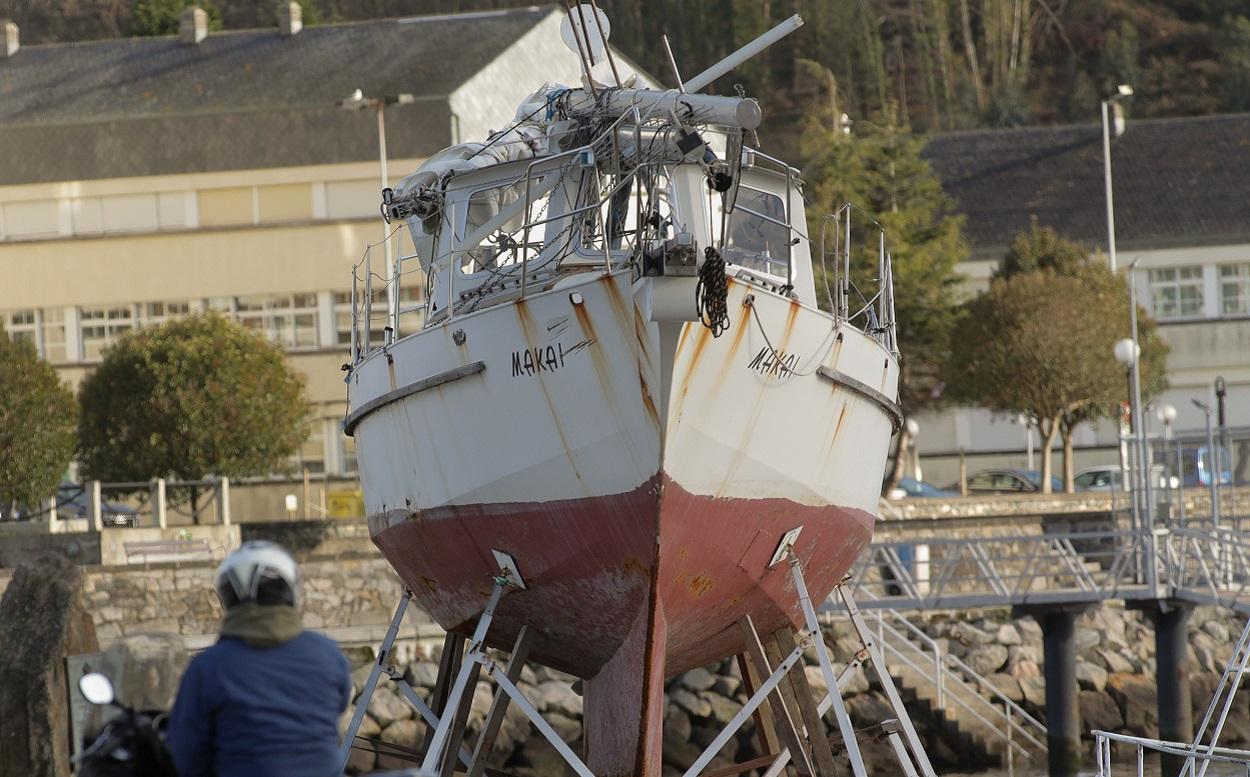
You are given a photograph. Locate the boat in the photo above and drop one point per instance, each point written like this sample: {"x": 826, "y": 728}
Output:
{"x": 622, "y": 386}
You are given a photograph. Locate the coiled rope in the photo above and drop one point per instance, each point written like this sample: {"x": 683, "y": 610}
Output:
{"x": 712, "y": 292}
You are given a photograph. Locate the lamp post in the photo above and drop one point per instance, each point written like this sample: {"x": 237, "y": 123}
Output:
{"x": 1167, "y": 414}
{"x": 1109, "y": 106}
{"x": 1213, "y": 473}
{"x": 913, "y": 429}
{"x": 358, "y": 102}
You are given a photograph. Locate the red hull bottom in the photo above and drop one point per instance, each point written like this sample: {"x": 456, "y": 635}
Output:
{"x": 624, "y": 590}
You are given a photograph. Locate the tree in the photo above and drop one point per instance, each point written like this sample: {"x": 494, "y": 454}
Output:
{"x": 880, "y": 171}
{"x": 1042, "y": 248}
{"x": 161, "y": 17}
{"x": 1039, "y": 343}
{"x": 36, "y": 425}
{"x": 195, "y": 397}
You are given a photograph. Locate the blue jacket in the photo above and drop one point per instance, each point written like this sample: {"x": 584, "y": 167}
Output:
{"x": 244, "y": 711}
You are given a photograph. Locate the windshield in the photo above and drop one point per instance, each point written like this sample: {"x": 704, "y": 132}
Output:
{"x": 756, "y": 239}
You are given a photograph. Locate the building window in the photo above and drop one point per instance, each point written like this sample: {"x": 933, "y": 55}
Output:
{"x": 1176, "y": 292}
{"x": 411, "y": 314}
{"x": 159, "y": 312}
{"x": 1235, "y": 289}
{"x": 290, "y": 320}
{"x": 101, "y": 326}
{"x": 22, "y": 326}
{"x": 44, "y": 329}
{"x": 311, "y": 455}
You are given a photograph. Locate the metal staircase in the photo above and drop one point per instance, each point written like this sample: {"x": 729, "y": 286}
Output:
{"x": 968, "y": 709}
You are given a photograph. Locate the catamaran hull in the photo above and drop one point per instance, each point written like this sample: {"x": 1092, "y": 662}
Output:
{"x": 640, "y": 474}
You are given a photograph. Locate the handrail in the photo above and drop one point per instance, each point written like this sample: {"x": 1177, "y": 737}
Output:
{"x": 941, "y": 673}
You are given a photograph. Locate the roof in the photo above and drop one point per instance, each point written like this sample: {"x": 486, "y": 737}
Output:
{"x": 1177, "y": 182}
{"x": 147, "y": 106}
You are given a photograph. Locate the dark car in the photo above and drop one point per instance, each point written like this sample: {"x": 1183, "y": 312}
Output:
{"x": 73, "y": 501}
{"x": 910, "y": 487}
{"x": 1008, "y": 481}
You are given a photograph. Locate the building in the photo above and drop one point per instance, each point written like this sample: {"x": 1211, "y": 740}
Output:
{"x": 146, "y": 178}
{"x": 1181, "y": 208}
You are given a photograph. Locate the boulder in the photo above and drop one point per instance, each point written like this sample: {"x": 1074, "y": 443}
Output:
{"x": 969, "y": 635}
{"x": 558, "y": 696}
{"x": 697, "y": 680}
{"x": 1136, "y": 698}
{"x": 727, "y": 686}
{"x": 1098, "y": 711}
{"x": 387, "y": 708}
{"x": 1008, "y": 686}
{"x": 44, "y": 620}
{"x": 423, "y": 674}
{"x": 360, "y": 675}
{"x": 1008, "y": 635}
{"x": 1091, "y": 677}
{"x": 1018, "y": 653}
{"x": 403, "y": 733}
{"x": 1030, "y": 631}
{"x": 147, "y": 669}
{"x": 1217, "y": 631}
{"x": 723, "y": 709}
{"x": 676, "y": 726}
{"x": 368, "y": 726}
{"x": 1034, "y": 691}
{"x": 1025, "y": 669}
{"x": 986, "y": 659}
{"x": 690, "y": 702}
{"x": 869, "y": 709}
{"x": 542, "y": 758}
{"x": 1116, "y": 663}
{"x": 570, "y": 730}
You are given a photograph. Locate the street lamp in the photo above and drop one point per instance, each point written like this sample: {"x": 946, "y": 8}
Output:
{"x": 1167, "y": 414}
{"x": 1112, "y": 105}
{"x": 1212, "y": 462}
{"x": 357, "y": 101}
{"x": 913, "y": 429}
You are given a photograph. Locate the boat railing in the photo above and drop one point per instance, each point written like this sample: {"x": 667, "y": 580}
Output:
{"x": 874, "y": 309}
{"x": 1193, "y": 756}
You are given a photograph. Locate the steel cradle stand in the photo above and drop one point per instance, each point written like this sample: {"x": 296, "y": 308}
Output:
{"x": 791, "y": 728}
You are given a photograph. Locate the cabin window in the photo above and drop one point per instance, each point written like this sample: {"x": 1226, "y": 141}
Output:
{"x": 758, "y": 236}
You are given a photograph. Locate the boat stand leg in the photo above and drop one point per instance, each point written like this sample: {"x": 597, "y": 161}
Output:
{"x": 887, "y": 684}
{"x": 458, "y": 723}
{"x": 817, "y": 739}
{"x": 783, "y": 759}
{"x": 766, "y": 688}
{"x": 423, "y": 709}
{"x": 826, "y": 667}
{"x": 509, "y": 687}
{"x": 765, "y": 733}
{"x": 787, "y": 731}
{"x": 366, "y": 693}
{"x": 433, "y": 755}
{"x": 451, "y": 658}
{"x": 499, "y": 705}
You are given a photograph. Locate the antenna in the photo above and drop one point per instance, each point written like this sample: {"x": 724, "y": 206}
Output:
{"x": 730, "y": 62}
{"x": 575, "y": 30}
{"x": 601, "y": 24}
{"x": 571, "y": 34}
{"x": 673, "y": 62}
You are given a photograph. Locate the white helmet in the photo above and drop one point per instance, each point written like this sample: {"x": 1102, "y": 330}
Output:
{"x": 258, "y": 571}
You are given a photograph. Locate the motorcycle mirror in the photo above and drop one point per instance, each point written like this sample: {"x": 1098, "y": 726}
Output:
{"x": 96, "y": 688}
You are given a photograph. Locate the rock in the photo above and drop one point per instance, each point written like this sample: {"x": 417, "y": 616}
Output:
{"x": 1087, "y": 639}
{"x": 723, "y": 709}
{"x": 868, "y": 709}
{"x": 1091, "y": 677}
{"x": 44, "y": 619}
{"x": 528, "y": 675}
{"x": 1098, "y": 711}
{"x": 1206, "y": 652}
{"x": 697, "y": 679}
{"x": 987, "y": 659}
{"x": 542, "y": 758}
{"x": 1025, "y": 669}
{"x": 1008, "y": 686}
{"x": 970, "y": 635}
{"x": 676, "y": 726}
{"x": 1030, "y": 630}
{"x": 558, "y": 696}
{"x": 570, "y": 730}
{"x": 1009, "y": 635}
{"x": 403, "y": 733}
{"x": 727, "y": 686}
{"x": 146, "y": 669}
{"x": 1217, "y": 631}
{"x": 386, "y": 707}
{"x": 483, "y": 695}
{"x": 361, "y": 760}
{"x": 696, "y": 706}
{"x": 1135, "y": 696}
{"x": 368, "y": 726}
{"x": 682, "y": 754}
{"x": 1034, "y": 691}
{"x": 1116, "y": 663}
{"x": 360, "y": 675}
{"x": 423, "y": 674}
{"x": 1018, "y": 653}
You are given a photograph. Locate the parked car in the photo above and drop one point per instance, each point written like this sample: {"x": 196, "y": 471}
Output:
{"x": 1109, "y": 476}
{"x": 73, "y": 501}
{"x": 1007, "y": 481}
{"x": 910, "y": 487}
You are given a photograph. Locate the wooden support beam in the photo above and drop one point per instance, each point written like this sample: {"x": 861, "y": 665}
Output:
{"x": 765, "y": 731}
{"x": 499, "y": 706}
{"x": 454, "y": 737}
{"x": 787, "y": 733}
{"x": 448, "y": 665}
{"x": 817, "y": 737}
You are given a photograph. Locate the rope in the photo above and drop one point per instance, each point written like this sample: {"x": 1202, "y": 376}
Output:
{"x": 711, "y": 294}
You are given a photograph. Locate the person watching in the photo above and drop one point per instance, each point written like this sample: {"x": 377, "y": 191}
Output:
{"x": 265, "y": 700}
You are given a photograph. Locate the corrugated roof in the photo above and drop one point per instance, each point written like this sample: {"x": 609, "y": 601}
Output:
{"x": 1177, "y": 182}
{"x": 248, "y": 99}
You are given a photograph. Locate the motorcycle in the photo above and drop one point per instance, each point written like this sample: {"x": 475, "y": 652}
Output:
{"x": 130, "y": 745}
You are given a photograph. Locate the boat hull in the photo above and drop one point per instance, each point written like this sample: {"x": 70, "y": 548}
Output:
{"x": 641, "y": 474}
